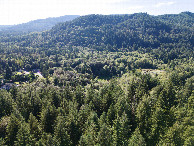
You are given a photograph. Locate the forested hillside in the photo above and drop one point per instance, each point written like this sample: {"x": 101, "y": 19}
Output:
{"x": 184, "y": 19}
{"x": 113, "y": 32}
{"x": 100, "y": 80}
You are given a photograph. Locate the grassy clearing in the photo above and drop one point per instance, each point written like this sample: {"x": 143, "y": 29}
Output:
{"x": 153, "y": 72}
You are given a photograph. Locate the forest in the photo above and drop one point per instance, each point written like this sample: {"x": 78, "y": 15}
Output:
{"x": 100, "y": 80}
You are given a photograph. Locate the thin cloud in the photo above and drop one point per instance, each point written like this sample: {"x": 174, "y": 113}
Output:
{"x": 136, "y": 7}
{"x": 161, "y": 4}
{"x": 20, "y": 11}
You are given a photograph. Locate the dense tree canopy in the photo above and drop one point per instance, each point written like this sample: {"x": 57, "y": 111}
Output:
{"x": 100, "y": 80}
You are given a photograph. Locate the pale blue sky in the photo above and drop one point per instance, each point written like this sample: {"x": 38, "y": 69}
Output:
{"x": 21, "y": 11}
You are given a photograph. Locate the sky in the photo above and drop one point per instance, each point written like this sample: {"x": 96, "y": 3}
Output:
{"x": 22, "y": 11}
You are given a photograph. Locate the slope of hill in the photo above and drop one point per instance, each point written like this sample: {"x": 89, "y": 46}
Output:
{"x": 112, "y": 32}
{"x": 184, "y": 19}
{"x": 36, "y": 25}
{"x": 121, "y": 31}
{"x": 138, "y": 30}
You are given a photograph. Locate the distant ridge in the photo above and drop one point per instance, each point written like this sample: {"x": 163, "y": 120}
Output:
{"x": 35, "y": 25}
{"x": 110, "y": 32}
{"x": 113, "y": 32}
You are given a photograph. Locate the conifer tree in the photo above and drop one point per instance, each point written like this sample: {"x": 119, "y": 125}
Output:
{"x": 136, "y": 139}
{"x": 47, "y": 118}
{"x": 60, "y": 133}
{"x": 13, "y": 127}
{"x": 24, "y": 138}
{"x": 34, "y": 126}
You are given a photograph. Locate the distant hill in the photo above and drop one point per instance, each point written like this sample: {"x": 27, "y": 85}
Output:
{"x": 113, "y": 32}
{"x": 36, "y": 25}
{"x": 110, "y": 32}
{"x": 5, "y": 27}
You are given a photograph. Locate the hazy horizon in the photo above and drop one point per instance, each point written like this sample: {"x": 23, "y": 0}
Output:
{"x": 13, "y": 12}
{"x": 77, "y": 15}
